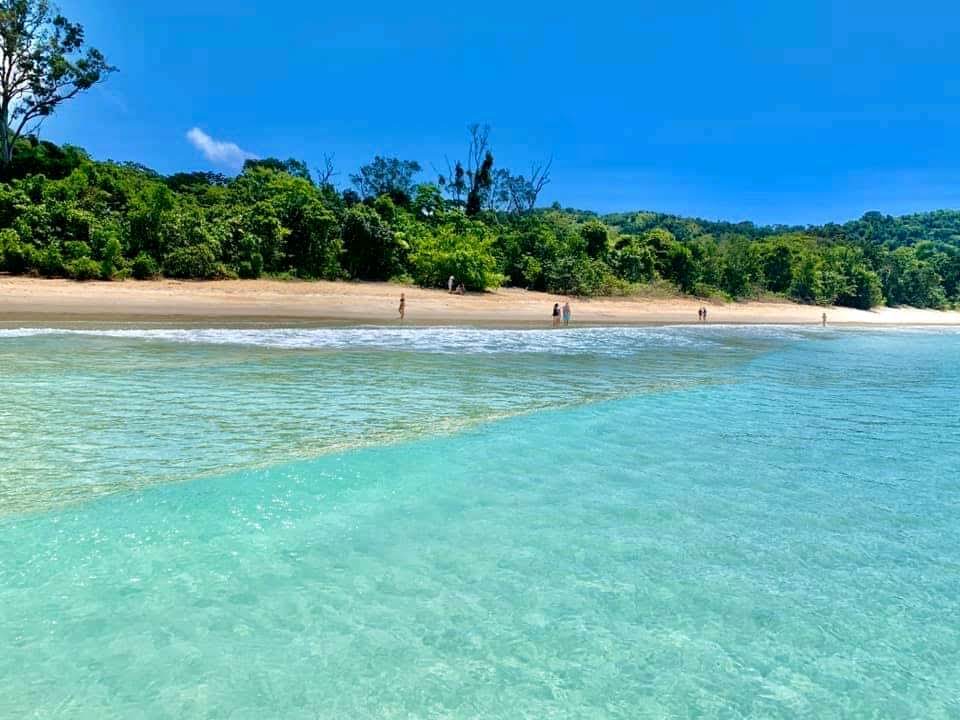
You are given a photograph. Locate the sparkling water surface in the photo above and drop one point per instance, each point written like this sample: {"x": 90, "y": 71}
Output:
{"x": 444, "y": 523}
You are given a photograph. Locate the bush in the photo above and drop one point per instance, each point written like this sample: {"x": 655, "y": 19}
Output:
{"x": 251, "y": 269}
{"x": 10, "y": 248}
{"x": 195, "y": 261}
{"x": 84, "y": 268}
{"x": 21, "y": 258}
{"x": 466, "y": 255}
{"x": 75, "y": 249}
{"x": 223, "y": 272}
{"x": 581, "y": 276}
{"x": 112, "y": 260}
{"x": 50, "y": 262}
{"x": 144, "y": 267}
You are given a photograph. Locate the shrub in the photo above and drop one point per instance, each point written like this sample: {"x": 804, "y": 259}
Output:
{"x": 10, "y": 248}
{"x": 224, "y": 272}
{"x": 252, "y": 268}
{"x": 83, "y": 268}
{"x": 466, "y": 255}
{"x": 195, "y": 261}
{"x": 74, "y": 250}
{"x": 581, "y": 276}
{"x": 20, "y": 258}
{"x": 112, "y": 260}
{"x": 144, "y": 267}
{"x": 50, "y": 262}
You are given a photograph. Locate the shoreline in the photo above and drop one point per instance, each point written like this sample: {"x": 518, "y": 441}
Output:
{"x": 277, "y": 303}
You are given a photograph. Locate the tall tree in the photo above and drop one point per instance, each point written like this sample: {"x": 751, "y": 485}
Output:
{"x": 517, "y": 193}
{"x": 477, "y": 180}
{"x": 43, "y": 63}
{"x": 387, "y": 176}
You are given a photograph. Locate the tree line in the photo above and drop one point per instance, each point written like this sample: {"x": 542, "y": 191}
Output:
{"x": 64, "y": 214}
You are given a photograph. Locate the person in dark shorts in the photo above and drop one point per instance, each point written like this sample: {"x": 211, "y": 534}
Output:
{"x": 556, "y": 315}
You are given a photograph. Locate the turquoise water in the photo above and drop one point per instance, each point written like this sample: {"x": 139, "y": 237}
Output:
{"x": 441, "y": 523}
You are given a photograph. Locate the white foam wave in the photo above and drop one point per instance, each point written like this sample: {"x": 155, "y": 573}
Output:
{"x": 609, "y": 341}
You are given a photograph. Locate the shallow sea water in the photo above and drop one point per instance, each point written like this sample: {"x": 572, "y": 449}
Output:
{"x": 442, "y": 523}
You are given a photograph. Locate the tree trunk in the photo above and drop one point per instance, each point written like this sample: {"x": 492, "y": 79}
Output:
{"x": 6, "y": 144}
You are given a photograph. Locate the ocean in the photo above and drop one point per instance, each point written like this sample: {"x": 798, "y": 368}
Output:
{"x": 670, "y": 522}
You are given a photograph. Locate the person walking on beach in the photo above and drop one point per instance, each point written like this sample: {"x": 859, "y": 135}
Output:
{"x": 556, "y": 315}
{"x": 824, "y": 318}
{"x": 566, "y": 313}
{"x": 704, "y": 314}
{"x": 450, "y": 284}
{"x": 403, "y": 306}
{"x": 700, "y": 314}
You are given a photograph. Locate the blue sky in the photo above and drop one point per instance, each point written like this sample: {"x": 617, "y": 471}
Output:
{"x": 764, "y": 111}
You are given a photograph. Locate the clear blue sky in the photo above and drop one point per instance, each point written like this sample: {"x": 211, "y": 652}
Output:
{"x": 767, "y": 111}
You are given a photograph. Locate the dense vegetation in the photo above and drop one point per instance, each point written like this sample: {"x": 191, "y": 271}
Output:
{"x": 63, "y": 214}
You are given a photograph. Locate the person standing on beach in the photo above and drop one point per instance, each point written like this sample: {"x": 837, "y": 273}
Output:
{"x": 566, "y": 313}
{"x": 450, "y": 284}
{"x": 824, "y": 318}
{"x": 556, "y": 315}
{"x": 403, "y": 306}
{"x": 700, "y": 314}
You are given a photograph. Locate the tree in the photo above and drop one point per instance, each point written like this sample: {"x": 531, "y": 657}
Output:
{"x": 742, "y": 266}
{"x": 596, "y": 237}
{"x": 519, "y": 194}
{"x": 454, "y": 182}
{"x": 482, "y": 181}
{"x": 291, "y": 166}
{"x": 326, "y": 174}
{"x": 387, "y": 176}
{"x": 371, "y": 251}
{"x": 43, "y": 63}
{"x": 477, "y": 179}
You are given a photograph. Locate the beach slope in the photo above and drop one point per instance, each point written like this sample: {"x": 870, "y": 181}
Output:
{"x": 33, "y": 301}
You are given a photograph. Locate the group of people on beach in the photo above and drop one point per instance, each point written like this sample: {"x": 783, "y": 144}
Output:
{"x": 561, "y": 313}
{"x": 458, "y": 290}
{"x": 702, "y": 313}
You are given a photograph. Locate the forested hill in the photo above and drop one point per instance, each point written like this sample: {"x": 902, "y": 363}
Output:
{"x": 63, "y": 214}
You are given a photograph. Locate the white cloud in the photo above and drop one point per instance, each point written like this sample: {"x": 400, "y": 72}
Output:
{"x": 225, "y": 154}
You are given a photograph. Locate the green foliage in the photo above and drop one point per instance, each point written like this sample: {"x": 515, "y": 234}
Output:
{"x": 596, "y": 235}
{"x": 635, "y": 261}
{"x": 84, "y": 268}
{"x": 75, "y": 249}
{"x": 194, "y": 261}
{"x": 371, "y": 251}
{"x": 387, "y": 176}
{"x": 112, "y": 259}
{"x": 144, "y": 267}
{"x": 466, "y": 252}
{"x": 49, "y": 262}
{"x": 10, "y": 251}
{"x": 62, "y": 214}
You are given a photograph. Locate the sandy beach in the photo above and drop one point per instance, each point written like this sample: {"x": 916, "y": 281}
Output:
{"x": 41, "y": 301}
